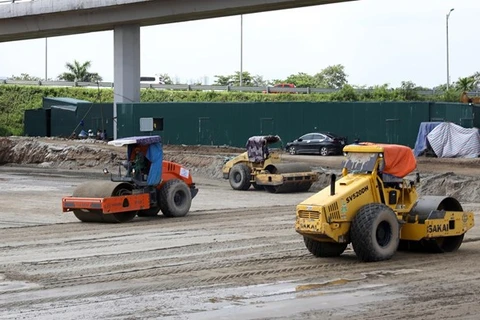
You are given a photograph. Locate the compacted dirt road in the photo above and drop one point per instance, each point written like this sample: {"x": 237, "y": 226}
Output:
{"x": 234, "y": 256}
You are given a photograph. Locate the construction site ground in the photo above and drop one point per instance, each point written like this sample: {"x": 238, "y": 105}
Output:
{"x": 236, "y": 255}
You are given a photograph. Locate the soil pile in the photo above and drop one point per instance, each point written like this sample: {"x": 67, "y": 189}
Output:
{"x": 207, "y": 161}
{"x": 93, "y": 154}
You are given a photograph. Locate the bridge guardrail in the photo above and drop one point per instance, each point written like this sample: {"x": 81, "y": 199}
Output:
{"x": 13, "y": 1}
{"x": 191, "y": 87}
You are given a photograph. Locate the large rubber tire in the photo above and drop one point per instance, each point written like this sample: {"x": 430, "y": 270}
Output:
{"x": 375, "y": 232}
{"x": 102, "y": 189}
{"x": 324, "y": 249}
{"x": 175, "y": 198}
{"x": 240, "y": 177}
{"x": 292, "y": 150}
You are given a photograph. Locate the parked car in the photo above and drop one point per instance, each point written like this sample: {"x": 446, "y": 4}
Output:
{"x": 323, "y": 143}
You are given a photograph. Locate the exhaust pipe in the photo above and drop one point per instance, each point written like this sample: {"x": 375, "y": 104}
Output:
{"x": 333, "y": 178}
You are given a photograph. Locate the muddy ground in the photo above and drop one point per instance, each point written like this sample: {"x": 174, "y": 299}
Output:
{"x": 235, "y": 256}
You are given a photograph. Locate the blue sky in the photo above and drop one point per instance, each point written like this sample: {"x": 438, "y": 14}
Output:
{"x": 378, "y": 41}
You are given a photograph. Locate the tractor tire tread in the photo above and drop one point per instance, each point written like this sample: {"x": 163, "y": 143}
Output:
{"x": 168, "y": 204}
{"x": 363, "y": 232}
{"x": 324, "y": 249}
{"x": 245, "y": 174}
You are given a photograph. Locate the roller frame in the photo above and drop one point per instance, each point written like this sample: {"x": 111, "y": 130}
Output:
{"x": 108, "y": 205}
{"x": 436, "y": 217}
{"x": 285, "y": 178}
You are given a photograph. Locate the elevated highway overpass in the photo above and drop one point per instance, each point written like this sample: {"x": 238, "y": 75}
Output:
{"x": 21, "y": 20}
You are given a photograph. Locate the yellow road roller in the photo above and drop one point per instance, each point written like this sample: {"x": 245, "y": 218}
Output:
{"x": 264, "y": 169}
{"x": 377, "y": 209}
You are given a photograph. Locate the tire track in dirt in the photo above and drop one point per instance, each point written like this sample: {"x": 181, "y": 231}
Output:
{"x": 151, "y": 259}
{"x": 192, "y": 221}
{"x": 250, "y": 272}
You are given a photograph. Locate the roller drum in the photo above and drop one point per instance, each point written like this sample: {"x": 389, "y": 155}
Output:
{"x": 290, "y": 168}
{"x": 103, "y": 189}
{"x": 289, "y": 187}
{"x": 423, "y": 209}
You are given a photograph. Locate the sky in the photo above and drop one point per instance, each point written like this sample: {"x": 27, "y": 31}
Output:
{"x": 378, "y": 42}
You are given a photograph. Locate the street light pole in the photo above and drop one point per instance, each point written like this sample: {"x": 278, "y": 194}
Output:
{"x": 241, "y": 50}
{"x": 448, "y": 53}
{"x": 46, "y": 59}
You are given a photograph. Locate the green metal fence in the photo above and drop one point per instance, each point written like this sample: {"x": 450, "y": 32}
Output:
{"x": 233, "y": 123}
{"x": 37, "y": 123}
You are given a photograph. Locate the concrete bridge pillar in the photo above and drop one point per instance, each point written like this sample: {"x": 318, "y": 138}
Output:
{"x": 126, "y": 71}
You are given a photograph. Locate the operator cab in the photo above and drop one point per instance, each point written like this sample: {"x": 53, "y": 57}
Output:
{"x": 257, "y": 148}
{"x": 144, "y": 160}
{"x": 390, "y": 162}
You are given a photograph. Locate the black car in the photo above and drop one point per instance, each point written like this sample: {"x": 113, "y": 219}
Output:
{"x": 323, "y": 143}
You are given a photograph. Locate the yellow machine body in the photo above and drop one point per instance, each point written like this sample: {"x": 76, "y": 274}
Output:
{"x": 264, "y": 169}
{"x": 432, "y": 223}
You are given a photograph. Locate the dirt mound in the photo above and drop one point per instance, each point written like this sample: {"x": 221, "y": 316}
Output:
{"x": 209, "y": 166}
{"x": 463, "y": 188}
{"x": 85, "y": 154}
{"x": 92, "y": 154}
{"x": 207, "y": 161}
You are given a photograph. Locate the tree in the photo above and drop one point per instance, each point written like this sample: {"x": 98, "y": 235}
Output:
{"x": 258, "y": 81}
{"x": 24, "y": 77}
{"x": 302, "y": 80}
{"x": 440, "y": 87}
{"x": 346, "y": 93}
{"x": 223, "y": 81}
{"x": 275, "y": 81}
{"x": 234, "y": 79}
{"x": 79, "y": 72}
{"x": 247, "y": 79}
{"x": 466, "y": 84}
{"x": 333, "y": 77}
{"x": 476, "y": 77}
{"x": 408, "y": 90}
{"x": 164, "y": 78}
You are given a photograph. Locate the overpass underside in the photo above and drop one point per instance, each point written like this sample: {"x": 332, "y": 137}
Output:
{"x": 48, "y": 18}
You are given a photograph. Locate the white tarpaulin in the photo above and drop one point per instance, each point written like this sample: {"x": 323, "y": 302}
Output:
{"x": 449, "y": 140}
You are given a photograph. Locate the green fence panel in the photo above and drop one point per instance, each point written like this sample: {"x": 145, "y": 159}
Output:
{"x": 36, "y": 122}
{"x": 63, "y": 121}
{"x": 232, "y": 123}
{"x": 461, "y": 114}
{"x": 96, "y": 116}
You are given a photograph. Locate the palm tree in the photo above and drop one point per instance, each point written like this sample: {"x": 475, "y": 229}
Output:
{"x": 466, "y": 84}
{"x": 79, "y": 72}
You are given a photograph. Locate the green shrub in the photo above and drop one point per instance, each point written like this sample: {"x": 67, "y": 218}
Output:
{"x": 14, "y": 99}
